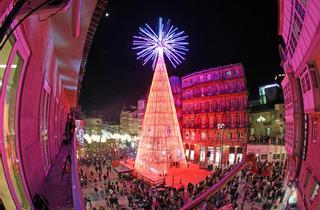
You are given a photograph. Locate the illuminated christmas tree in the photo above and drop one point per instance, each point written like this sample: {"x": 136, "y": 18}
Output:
{"x": 161, "y": 142}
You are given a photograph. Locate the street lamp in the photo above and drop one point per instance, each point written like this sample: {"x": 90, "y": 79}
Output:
{"x": 221, "y": 126}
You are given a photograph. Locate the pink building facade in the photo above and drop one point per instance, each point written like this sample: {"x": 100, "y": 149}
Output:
{"x": 41, "y": 66}
{"x": 300, "y": 52}
{"x": 210, "y": 99}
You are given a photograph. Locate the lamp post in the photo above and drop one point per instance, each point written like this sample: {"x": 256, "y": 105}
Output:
{"x": 221, "y": 126}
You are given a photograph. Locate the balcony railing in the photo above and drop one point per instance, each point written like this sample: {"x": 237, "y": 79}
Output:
{"x": 205, "y": 94}
{"x": 214, "y": 125}
{"x": 265, "y": 140}
{"x": 218, "y": 186}
{"x": 211, "y": 110}
{"x": 76, "y": 188}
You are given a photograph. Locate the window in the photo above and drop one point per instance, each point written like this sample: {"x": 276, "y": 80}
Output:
{"x": 239, "y": 154}
{"x": 268, "y": 131}
{"x": 4, "y": 57}
{"x": 296, "y": 30}
{"x": 303, "y": 85}
{"x": 187, "y": 135}
{"x": 211, "y": 107}
{"x": 233, "y": 121}
{"x": 240, "y": 119}
{"x": 218, "y": 90}
{"x": 314, "y": 131}
{"x": 211, "y": 154}
{"x": 216, "y": 76}
{"x": 203, "y": 122}
{"x": 192, "y": 135}
{"x": 191, "y": 107}
{"x": 203, "y": 135}
{"x": 306, "y": 181}
{"x": 202, "y": 154}
{"x": 203, "y": 90}
{"x": 305, "y": 82}
{"x": 240, "y": 104}
{"x": 232, "y": 105}
{"x": 238, "y": 87}
{"x": 304, "y": 3}
{"x": 308, "y": 84}
{"x": 300, "y": 9}
{"x": 298, "y": 22}
{"x": 314, "y": 190}
{"x": 228, "y": 73}
{"x": 218, "y": 105}
{"x": 218, "y": 155}
{"x": 209, "y": 91}
{"x": 313, "y": 75}
{"x": 293, "y": 43}
{"x": 231, "y": 155}
{"x": 230, "y": 88}
{"x": 208, "y": 77}
{"x": 211, "y": 121}
{"x": 11, "y": 68}
{"x": 231, "y": 135}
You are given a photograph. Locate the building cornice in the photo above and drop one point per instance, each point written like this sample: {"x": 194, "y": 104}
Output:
{"x": 95, "y": 19}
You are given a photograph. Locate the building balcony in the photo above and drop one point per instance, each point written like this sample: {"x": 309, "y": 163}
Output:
{"x": 214, "y": 125}
{"x": 266, "y": 140}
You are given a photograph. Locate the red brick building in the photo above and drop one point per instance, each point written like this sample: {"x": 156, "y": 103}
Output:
{"x": 213, "y": 97}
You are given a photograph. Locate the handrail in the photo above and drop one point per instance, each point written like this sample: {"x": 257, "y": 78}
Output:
{"x": 76, "y": 188}
{"x": 146, "y": 179}
{"x": 210, "y": 192}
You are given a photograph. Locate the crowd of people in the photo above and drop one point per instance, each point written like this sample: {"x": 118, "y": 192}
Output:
{"x": 259, "y": 184}
{"x": 103, "y": 187}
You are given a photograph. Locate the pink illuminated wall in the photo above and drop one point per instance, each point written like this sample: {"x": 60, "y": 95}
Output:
{"x": 299, "y": 23}
{"x": 51, "y": 62}
{"x": 209, "y": 97}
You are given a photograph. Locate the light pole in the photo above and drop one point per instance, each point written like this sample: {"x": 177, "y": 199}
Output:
{"x": 221, "y": 126}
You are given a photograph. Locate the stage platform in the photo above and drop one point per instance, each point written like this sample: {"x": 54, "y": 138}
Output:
{"x": 177, "y": 176}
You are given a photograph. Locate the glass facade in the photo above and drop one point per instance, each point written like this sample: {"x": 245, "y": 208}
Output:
{"x": 4, "y": 58}
{"x": 5, "y": 195}
{"x": 11, "y": 185}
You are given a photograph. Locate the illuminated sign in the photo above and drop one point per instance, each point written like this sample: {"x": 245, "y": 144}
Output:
{"x": 261, "y": 119}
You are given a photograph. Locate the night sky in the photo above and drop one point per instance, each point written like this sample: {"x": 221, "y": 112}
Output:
{"x": 220, "y": 32}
